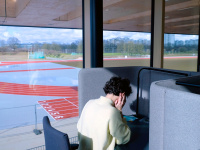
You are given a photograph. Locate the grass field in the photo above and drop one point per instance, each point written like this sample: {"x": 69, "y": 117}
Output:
{"x": 187, "y": 64}
{"x": 21, "y": 56}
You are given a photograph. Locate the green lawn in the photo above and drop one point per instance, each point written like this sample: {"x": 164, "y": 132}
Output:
{"x": 187, "y": 64}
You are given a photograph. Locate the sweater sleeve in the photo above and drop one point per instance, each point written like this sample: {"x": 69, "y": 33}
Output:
{"x": 119, "y": 128}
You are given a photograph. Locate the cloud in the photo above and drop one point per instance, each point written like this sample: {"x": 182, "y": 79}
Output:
{"x": 60, "y": 35}
{"x": 17, "y": 35}
{"x": 6, "y": 34}
{"x": 121, "y": 34}
{"x": 186, "y": 37}
{"x": 34, "y": 34}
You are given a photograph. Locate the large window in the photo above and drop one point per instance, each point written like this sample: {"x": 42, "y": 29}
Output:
{"x": 181, "y": 35}
{"x": 127, "y": 27}
{"x": 40, "y": 58}
{"x": 41, "y": 55}
{"x": 180, "y": 52}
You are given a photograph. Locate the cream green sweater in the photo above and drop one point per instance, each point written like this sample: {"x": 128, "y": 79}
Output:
{"x": 100, "y": 126}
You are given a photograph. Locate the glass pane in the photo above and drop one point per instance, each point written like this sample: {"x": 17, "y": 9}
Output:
{"x": 40, "y": 58}
{"x": 181, "y": 35}
{"x": 127, "y": 27}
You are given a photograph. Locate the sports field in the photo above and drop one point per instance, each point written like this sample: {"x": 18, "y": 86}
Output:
{"x": 32, "y": 89}
{"x": 187, "y": 63}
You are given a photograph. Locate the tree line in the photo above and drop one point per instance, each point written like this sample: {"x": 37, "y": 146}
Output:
{"x": 14, "y": 44}
{"x": 175, "y": 48}
{"x": 124, "y": 46}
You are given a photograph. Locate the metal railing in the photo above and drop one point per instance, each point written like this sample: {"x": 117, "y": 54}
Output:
{"x": 18, "y": 118}
{"x": 38, "y": 148}
{"x": 72, "y": 140}
{"x": 29, "y": 115}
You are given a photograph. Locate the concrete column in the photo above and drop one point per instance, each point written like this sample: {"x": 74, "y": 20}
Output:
{"x": 159, "y": 18}
{"x": 86, "y": 22}
{"x": 93, "y": 33}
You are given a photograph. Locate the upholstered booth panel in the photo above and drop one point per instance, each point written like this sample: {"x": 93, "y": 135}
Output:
{"x": 174, "y": 116}
{"x": 92, "y": 80}
{"x": 148, "y": 75}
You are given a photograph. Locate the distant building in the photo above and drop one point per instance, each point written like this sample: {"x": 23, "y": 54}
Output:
{"x": 169, "y": 39}
{"x": 69, "y": 51}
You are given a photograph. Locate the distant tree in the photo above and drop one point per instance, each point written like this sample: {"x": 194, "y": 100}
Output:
{"x": 80, "y": 47}
{"x": 73, "y": 45}
{"x": 2, "y": 43}
{"x": 3, "y": 47}
{"x": 63, "y": 46}
{"x": 36, "y": 46}
{"x": 168, "y": 47}
{"x": 182, "y": 49}
{"x": 55, "y": 46}
{"x": 120, "y": 46}
{"x": 129, "y": 48}
{"x": 13, "y": 42}
{"x": 139, "y": 48}
{"x": 46, "y": 46}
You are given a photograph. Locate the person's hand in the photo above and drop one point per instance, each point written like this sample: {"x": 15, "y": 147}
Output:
{"x": 120, "y": 102}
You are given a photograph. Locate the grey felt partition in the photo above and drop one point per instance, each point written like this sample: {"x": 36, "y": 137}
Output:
{"x": 174, "y": 116}
{"x": 149, "y": 75}
{"x": 92, "y": 80}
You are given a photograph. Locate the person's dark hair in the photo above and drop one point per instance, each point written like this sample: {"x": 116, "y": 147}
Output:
{"x": 118, "y": 85}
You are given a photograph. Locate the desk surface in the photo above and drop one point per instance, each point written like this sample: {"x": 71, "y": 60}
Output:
{"x": 139, "y": 136}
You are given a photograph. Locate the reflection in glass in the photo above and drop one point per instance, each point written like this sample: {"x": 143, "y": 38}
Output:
{"x": 127, "y": 26}
{"x": 180, "y": 52}
{"x": 40, "y": 58}
{"x": 126, "y": 48}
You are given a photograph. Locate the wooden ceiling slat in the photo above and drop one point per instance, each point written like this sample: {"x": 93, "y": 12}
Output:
{"x": 128, "y": 15}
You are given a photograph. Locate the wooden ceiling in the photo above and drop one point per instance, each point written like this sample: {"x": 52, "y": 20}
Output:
{"x": 181, "y": 16}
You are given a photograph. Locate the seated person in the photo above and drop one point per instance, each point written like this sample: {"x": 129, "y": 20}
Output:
{"x": 101, "y": 124}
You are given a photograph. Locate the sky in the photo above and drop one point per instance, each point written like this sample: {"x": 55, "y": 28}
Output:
{"x": 49, "y": 35}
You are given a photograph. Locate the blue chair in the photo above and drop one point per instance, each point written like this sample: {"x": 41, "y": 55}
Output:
{"x": 54, "y": 139}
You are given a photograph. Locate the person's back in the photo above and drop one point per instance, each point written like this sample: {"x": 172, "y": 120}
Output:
{"x": 101, "y": 125}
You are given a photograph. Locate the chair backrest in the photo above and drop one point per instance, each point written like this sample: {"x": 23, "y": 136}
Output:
{"x": 54, "y": 139}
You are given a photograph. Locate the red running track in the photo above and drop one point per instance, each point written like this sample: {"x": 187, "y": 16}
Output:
{"x": 61, "y": 108}
{"x": 38, "y": 90}
{"x": 58, "y": 108}
{"x": 27, "y": 62}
